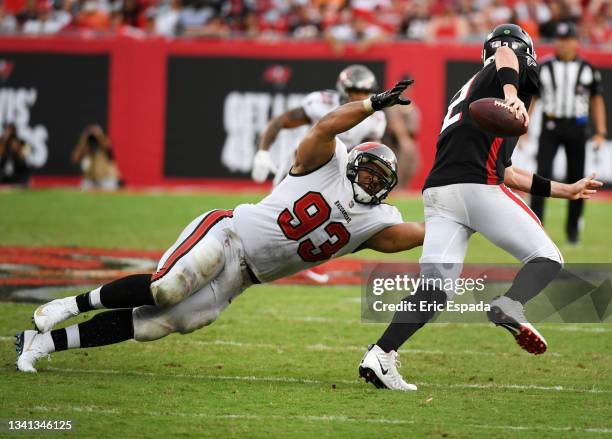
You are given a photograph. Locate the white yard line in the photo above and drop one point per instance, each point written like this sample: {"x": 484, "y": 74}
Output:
{"x": 304, "y": 418}
{"x": 282, "y": 379}
{"x": 326, "y": 348}
{"x": 562, "y": 327}
{"x": 347, "y": 348}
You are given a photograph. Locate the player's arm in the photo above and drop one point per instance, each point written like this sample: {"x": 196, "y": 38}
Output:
{"x": 508, "y": 70}
{"x": 525, "y": 181}
{"x": 598, "y": 112}
{"x": 319, "y": 144}
{"x": 397, "y": 238}
{"x": 262, "y": 162}
{"x": 289, "y": 119}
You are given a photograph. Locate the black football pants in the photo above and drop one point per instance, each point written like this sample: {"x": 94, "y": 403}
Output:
{"x": 572, "y": 135}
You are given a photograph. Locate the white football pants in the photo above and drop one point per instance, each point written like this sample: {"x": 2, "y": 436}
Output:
{"x": 454, "y": 212}
{"x": 196, "y": 279}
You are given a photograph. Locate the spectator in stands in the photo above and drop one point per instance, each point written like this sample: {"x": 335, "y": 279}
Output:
{"x": 559, "y": 12}
{"x": 194, "y": 15}
{"x": 304, "y": 22}
{"x": 93, "y": 152}
{"x": 415, "y": 23}
{"x": 355, "y": 26}
{"x": 93, "y": 16}
{"x": 48, "y": 21}
{"x": 14, "y": 152}
{"x": 448, "y": 25}
{"x": 167, "y": 19}
{"x": 8, "y": 23}
{"x": 530, "y": 14}
{"x": 597, "y": 25}
{"x": 338, "y": 21}
{"x": 29, "y": 12}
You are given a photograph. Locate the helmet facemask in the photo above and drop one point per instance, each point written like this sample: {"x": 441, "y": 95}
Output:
{"x": 374, "y": 165}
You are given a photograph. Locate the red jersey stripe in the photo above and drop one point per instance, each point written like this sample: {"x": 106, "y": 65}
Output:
{"x": 492, "y": 161}
{"x": 520, "y": 202}
{"x": 199, "y": 232}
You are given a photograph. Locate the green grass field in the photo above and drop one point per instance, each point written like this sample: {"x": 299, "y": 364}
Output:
{"x": 281, "y": 361}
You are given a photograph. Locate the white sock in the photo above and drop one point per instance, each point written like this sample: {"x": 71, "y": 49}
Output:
{"x": 47, "y": 342}
{"x": 73, "y": 336}
{"x": 94, "y": 299}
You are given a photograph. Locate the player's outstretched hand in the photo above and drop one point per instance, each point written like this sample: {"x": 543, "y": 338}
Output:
{"x": 391, "y": 97}
{"x": 262, "y": 166}
{"x": 584, "y": 188}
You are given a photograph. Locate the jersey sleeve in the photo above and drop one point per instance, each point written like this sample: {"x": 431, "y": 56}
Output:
{"x": 529, "y": 79}
{"x": 597, "y": 84}
{"x": 317, "y": 104}
{"x": 391, "y": 215}
{"x": 341, "y": 156}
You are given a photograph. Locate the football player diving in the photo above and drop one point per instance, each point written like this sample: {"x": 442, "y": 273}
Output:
{"x": 330, "y": 204}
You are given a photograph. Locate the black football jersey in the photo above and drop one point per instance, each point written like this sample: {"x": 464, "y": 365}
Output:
{"x": 467, "y": 154}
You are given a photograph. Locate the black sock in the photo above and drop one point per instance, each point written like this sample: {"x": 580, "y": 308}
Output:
{"x": 60, "y": 339}
{"x": 532, "y": 278}
{"x": 103, "y": 329}
{"x": 405, "y": 323}
{"x": 127, "y": 292}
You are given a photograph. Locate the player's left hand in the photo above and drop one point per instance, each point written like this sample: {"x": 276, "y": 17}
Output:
{"x": 584, "y": 188}
{"x": 262, "y": 166}
{"x": 391, "y": 97}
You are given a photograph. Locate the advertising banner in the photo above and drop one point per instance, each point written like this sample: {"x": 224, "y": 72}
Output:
{"x": 51, "y": 98}
{"x": 218, "y": 107}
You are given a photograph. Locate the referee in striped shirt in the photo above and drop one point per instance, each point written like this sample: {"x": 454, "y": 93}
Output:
{"x": 570, "y": 86}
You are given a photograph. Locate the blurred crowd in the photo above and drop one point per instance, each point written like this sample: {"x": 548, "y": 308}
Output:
{"x": 338, "y": 21}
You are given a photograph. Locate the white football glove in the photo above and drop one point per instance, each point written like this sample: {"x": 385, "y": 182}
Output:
{"x": 262, "y": 166}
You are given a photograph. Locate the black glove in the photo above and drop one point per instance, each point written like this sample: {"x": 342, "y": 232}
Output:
{"x": 391, "y": 97}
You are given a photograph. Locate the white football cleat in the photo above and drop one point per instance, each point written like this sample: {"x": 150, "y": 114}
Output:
{"x": 30, "y": 349}
{"x": 50, "y": 314}
{"x": 380, "y": 368}
{"x": 508, "y": 313}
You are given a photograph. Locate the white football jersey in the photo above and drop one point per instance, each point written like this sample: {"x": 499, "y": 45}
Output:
{"x": 317, "y": 104}
{"x": 308, "y": 219}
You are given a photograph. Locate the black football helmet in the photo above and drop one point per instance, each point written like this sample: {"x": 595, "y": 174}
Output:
{"x": 356, "y": 77}
{"x": 511, "y": 35}
{"x": 366, "y": 154}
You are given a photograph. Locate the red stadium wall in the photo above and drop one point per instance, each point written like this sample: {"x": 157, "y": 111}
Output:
{"x": 138, "y": 83}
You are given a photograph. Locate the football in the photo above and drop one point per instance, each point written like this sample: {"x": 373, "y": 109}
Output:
{"x": 494, "y": 116}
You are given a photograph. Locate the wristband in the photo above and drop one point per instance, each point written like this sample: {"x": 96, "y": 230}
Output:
{"x": 540, "y": 186}
{"x": 508, "y": 76}
{"x": 367, "y": 105}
